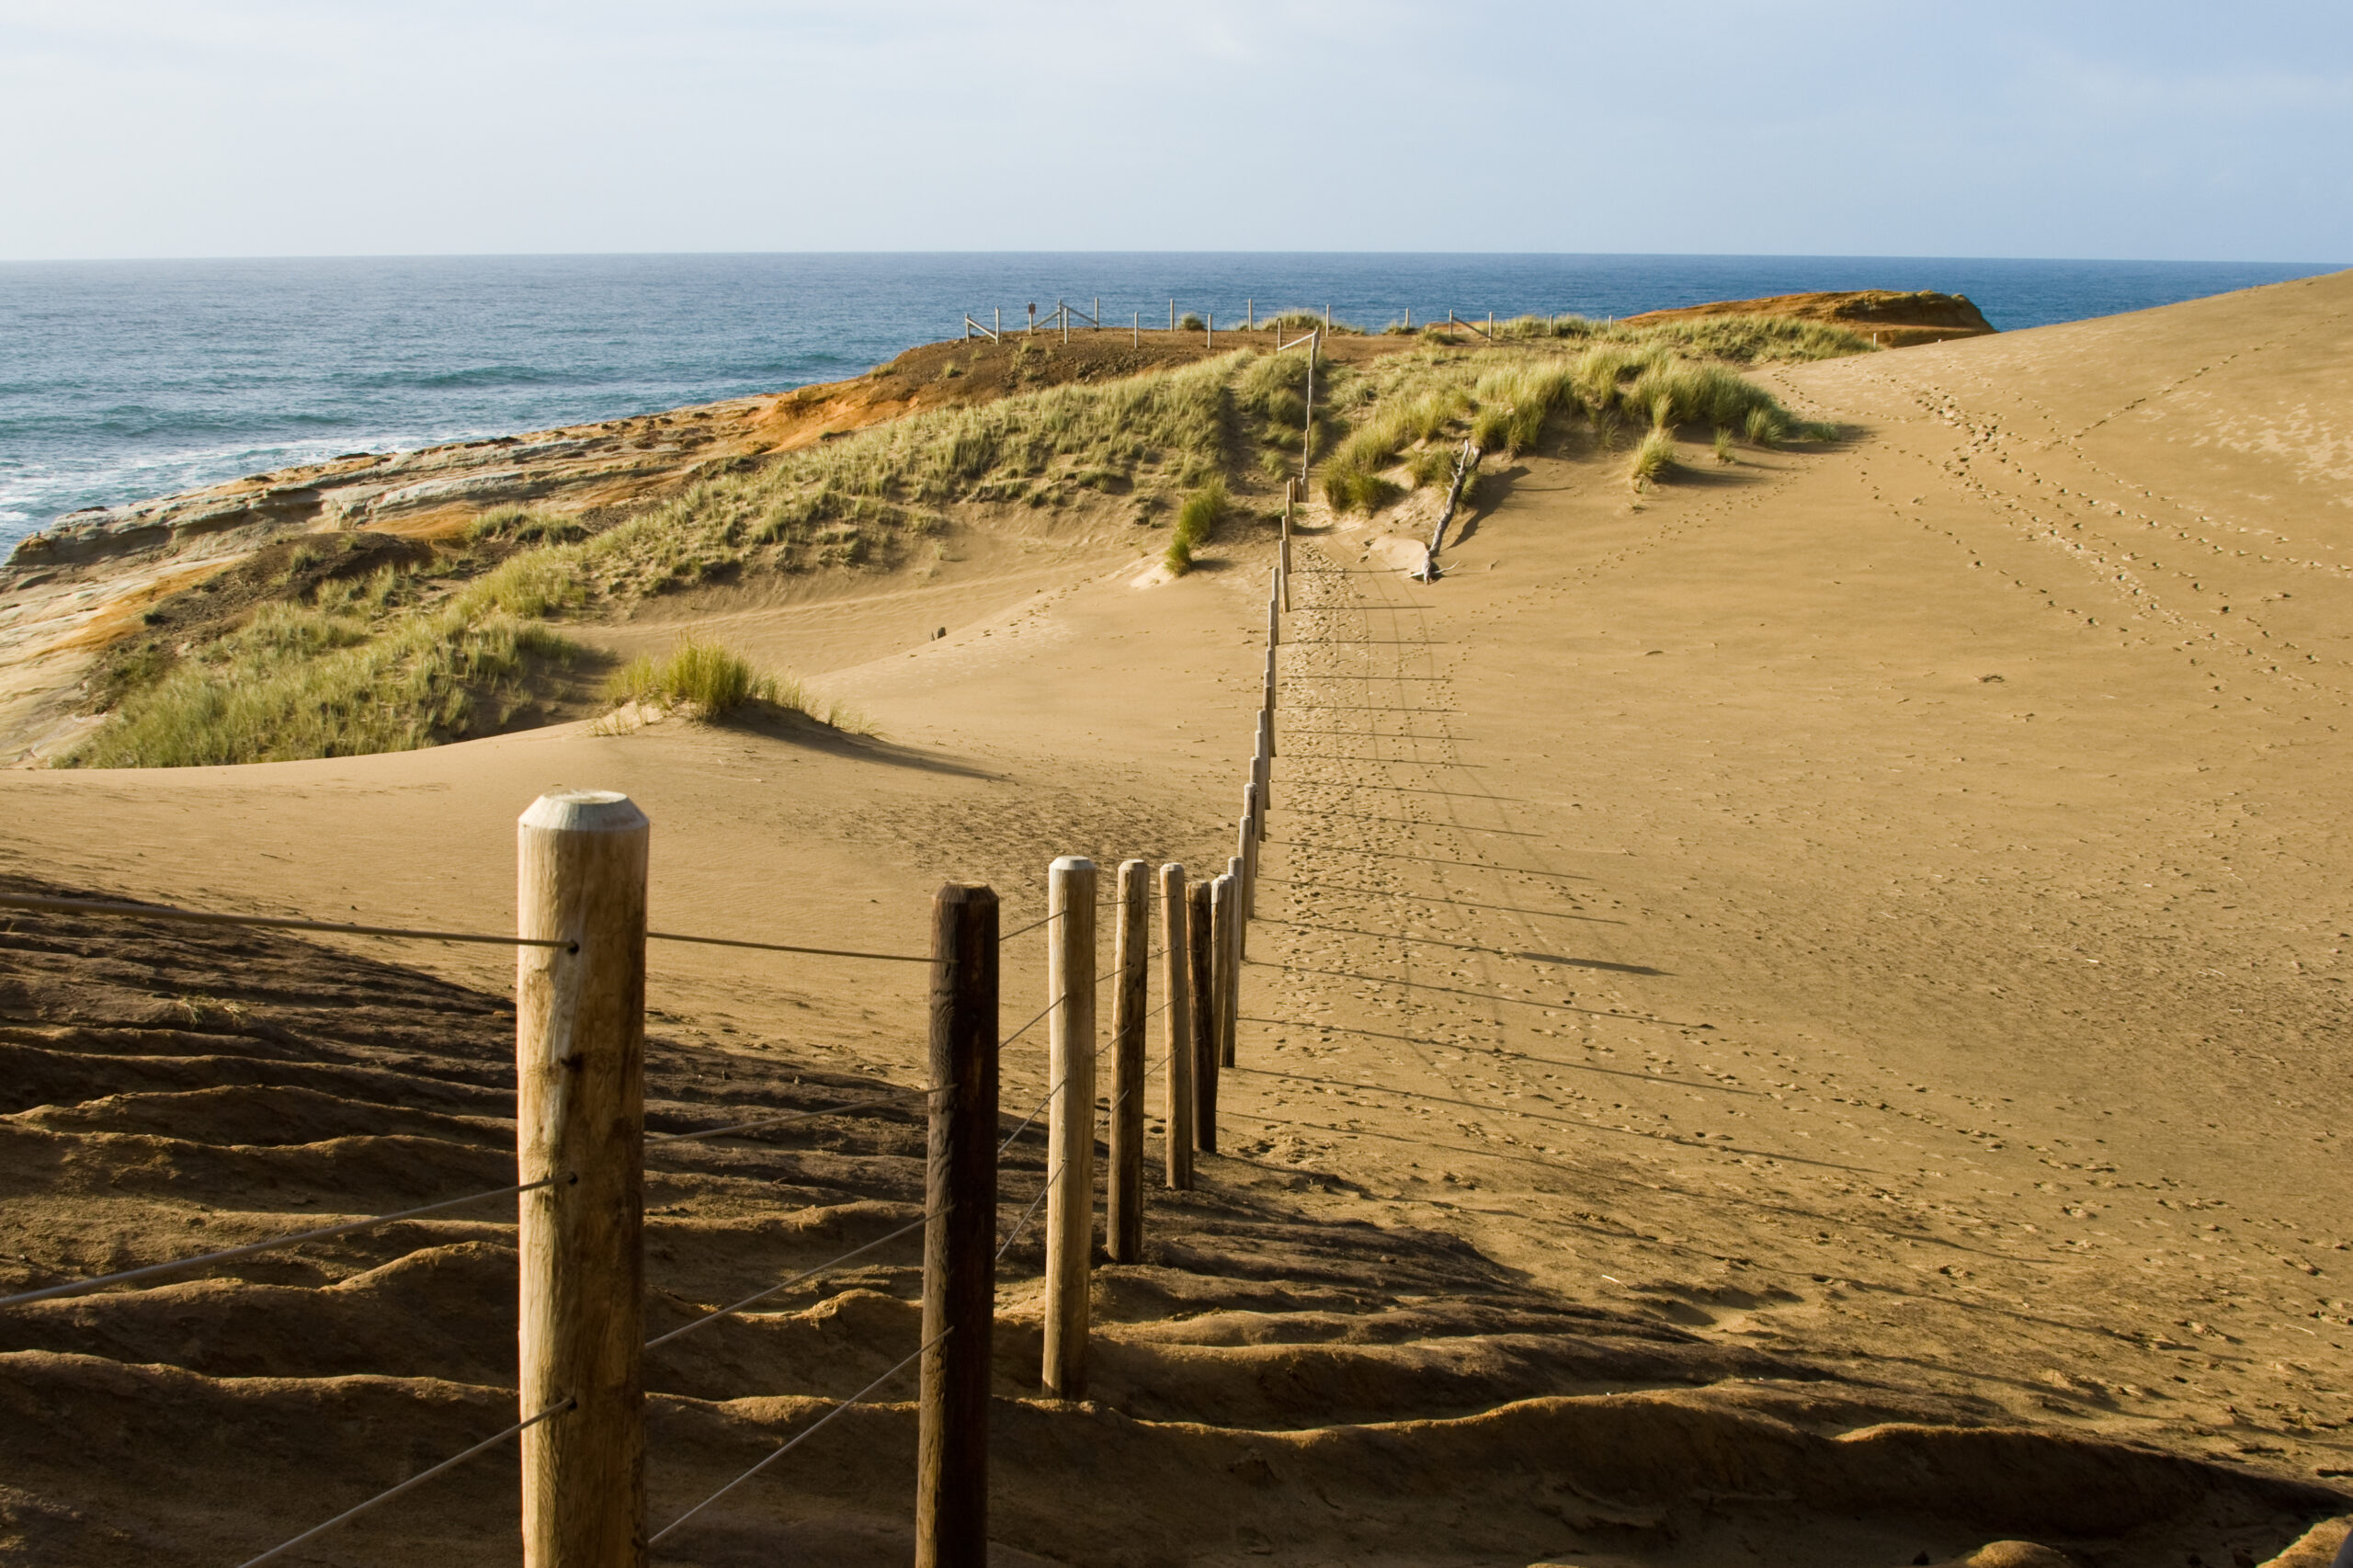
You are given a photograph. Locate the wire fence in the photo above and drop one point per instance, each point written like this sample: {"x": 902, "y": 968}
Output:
{"x": 567, "y": 1143}
{"x": 855, "y": 1400}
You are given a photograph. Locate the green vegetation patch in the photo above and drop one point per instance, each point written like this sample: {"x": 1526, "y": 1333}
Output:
{"x": 1198, "y": 521}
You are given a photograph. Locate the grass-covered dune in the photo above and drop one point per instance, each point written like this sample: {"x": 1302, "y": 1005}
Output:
{"x": 463, "y": 636}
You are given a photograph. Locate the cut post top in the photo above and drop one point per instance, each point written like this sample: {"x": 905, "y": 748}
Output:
{"x": 585, "y": 811}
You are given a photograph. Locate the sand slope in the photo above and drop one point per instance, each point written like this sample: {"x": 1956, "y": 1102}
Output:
{"x": 1724, "y": 1079}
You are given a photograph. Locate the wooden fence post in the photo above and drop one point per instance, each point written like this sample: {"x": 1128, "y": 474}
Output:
{"x": 1247, "y": 840}
{"x": 1274, "y": 604}
{"x": 1290, "y": 490}
{"x": 1070, "y": 1136}
{"x": 1131, "y": 950}
{"x": 960, "y": 1240}
{"x": 1201, "y": 964}
{"x": 1176, "y": 1032}
{"x": 1307, "y": 435}
{"x": 1172, "y": 315}
{"x": 580, "y": 1120}
{"x": 1225, "y": 919}
{"x": 1268, "y": 703}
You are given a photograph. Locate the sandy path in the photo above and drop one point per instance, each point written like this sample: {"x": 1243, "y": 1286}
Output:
{"x": 1724, "y": 937}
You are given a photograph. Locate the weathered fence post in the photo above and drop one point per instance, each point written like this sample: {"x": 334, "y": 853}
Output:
{"x": 1209, "y": 326}
{"x": 1200, "y": 950}
{"x": 1291, "y": 491}
{"x": 580, "y": 1123}
{"x": 1307, "y": 434}
{"x": 1132, "y": 950}
{"x": 1266, "y": 700}
{"x": 1274, "y": 604}
{"x": 1245, "y": 839}
{"x": 1177, "y": 1032}
{"x": 960, "y": 1240}
{"x": 1172, "y": 315}
{"x": 1225, "y": 919}
{"x": 1070, "y": 1137}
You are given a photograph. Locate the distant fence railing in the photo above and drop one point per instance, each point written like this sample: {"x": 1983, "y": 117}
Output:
{"x": 581, "y": 940}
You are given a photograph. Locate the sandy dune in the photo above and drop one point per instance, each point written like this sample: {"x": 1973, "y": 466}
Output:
{"x": 1793, "y": 1017}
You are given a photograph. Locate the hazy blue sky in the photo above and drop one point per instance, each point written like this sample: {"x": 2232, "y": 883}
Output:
{"x": 324, "y": 127}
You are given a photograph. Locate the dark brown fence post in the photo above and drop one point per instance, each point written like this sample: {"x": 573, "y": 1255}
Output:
{"x": 1225, "y": 923}
{"x": 1245, "y": 840}
{"x": 960, "y": 1241}
{"x": 1070, "y": 1127}
{"x": 1200, "y": 948}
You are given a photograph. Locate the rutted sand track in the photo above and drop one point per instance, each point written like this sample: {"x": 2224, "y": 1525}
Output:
{"x": 1259, "y": 1357}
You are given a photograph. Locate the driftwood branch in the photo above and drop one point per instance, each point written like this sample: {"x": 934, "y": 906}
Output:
{"x": 1464, "y": 465}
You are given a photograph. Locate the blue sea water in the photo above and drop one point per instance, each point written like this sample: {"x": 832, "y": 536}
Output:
{"x": 124, "y": 379}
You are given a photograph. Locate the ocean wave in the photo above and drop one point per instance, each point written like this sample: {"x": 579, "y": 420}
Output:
{"x": 468, "y": 378}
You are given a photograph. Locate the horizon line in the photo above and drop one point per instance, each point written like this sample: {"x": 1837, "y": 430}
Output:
{"x": 1450, "y": 255}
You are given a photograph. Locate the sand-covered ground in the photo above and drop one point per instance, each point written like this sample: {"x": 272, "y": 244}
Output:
{"x": 1794, "y": 1017}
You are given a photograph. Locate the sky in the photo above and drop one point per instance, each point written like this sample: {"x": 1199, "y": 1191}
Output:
{"x": 209, "y": 128}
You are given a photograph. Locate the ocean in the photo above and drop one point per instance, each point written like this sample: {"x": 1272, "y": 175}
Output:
{"x": 124, "y": 379}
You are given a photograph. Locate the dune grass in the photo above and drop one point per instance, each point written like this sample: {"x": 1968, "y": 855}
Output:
{"x": 392, "y": 662}
{"x": 363, "y": 666}
{"x": 1294, "y": 322}
{"x": 1653, "y": 459}
{"x": 1740, "y": 339}
{"x": 1198, "y": 520}
{"x": 1416, "y": 407}
{"x": 699, "y": 674}
{"x": 704, "y": 681}
{"x": 299, "y": 686}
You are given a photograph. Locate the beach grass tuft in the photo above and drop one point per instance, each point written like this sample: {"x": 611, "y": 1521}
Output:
{"x": 1653, "y": 459}
{"x": 1198, "y": 521}
{"x": 699, "y": 676}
